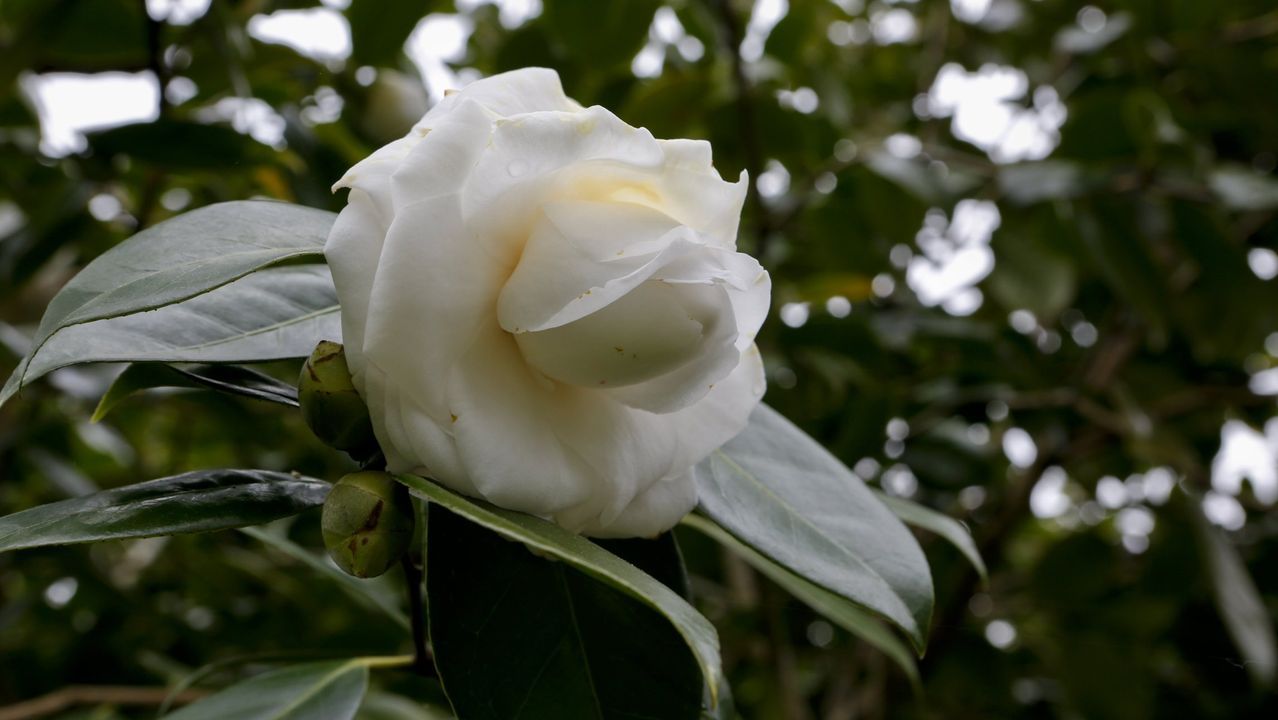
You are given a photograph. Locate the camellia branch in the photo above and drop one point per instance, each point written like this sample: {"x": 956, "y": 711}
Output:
{"x": 747, "y": 127}
{"x": 73, "y": 695}
{"x": 422, "y": 662}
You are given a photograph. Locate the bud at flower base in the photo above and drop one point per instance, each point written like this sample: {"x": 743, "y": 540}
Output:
{"x": 330, "y": 404}
{"x": 367, "y": 523}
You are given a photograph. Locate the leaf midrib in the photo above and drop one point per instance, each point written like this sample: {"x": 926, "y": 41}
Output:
{"x": 315, "y": 689}
{"x": 328, "y": 310}
{"x": 74, "y": 317}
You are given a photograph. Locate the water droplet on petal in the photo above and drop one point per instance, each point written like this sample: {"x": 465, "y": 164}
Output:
{"x": 517, "y": 168}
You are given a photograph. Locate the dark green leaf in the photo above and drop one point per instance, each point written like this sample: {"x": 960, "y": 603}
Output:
{"x": 1241, "y": 606}
{"x": 230, "y": 379}
{"x": 181, "y": 145}
{"x": 271, "y": 314}
{"x": 314, "y": 691}
{"x": 179, "y": 259}
{"x": 380, "y": 27}
{"x": 578, "y": 552}
{"x": 600, "y": 34}
{"x": 787, "y": 497}
{"x": 192, "y": 502}
{"x": 838, "y": 610}
{"x": 519, "y": 636}
{"x": 947, "y": 527}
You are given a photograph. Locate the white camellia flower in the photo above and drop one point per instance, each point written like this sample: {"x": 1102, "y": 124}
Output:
{"x": 544, "y": 307}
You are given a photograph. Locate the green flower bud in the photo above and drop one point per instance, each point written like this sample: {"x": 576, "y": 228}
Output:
{"x": 331, "y": 406}
{"x": 367, "y": 523}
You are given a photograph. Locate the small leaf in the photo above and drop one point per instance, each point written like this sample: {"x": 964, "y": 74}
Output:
{"x": 181, "y": 145}
{"x": 522, "y": 637}
{"x": 272, "y": 314}
{"x": 838, "y": 610}
{"x": 198, "y": 501}
{"x": 1077, "y": 40}
{"x": 947, "y": 527}
{"x": 550, "y": 539}
{"x": 230, "y": 379}
{"x": 1241, "y": 606}
{"x": 779, "y": 491}
{"x": 1030, "y": 182}
{"x": 1242, "y": 188}
{"x": 179, "y": 259}
{"x": 330, "y": 690}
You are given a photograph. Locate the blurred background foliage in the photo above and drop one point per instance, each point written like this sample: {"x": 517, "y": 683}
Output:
{"x": 1024, "y": 256}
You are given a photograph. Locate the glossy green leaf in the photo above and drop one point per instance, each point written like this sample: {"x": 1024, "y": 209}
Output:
{"x": 192, "y": 502}
{"x": 179, "y": 259}
{"x": 230, "y": 379}
{"x": 787, "y": 497}
{"x": 578, "y": 552}
{"x": 838, "y": 610}
{"x": 519, "y": 637}
{"x": 330, "y": 690}
{"x": 947, "y": 527}
{"x": 270, "y": 315}
{"x": 1240, "y": 604}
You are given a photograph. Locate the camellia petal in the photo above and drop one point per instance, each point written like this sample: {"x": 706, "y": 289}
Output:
{"x": 544, "y": 306}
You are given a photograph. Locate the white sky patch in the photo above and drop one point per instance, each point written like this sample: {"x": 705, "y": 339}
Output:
{"x": 899, "y": 481}
{"x": 795, "y": 314}
{"x": 1264, "y": 382}
{"x": 970, "y": 11}
{"x": 1019, "y": 447}
{"x": 1224, "y": 510}
{"x": 665, "y": 31}
{"x": 838, "y": 306}
{"x": 439, "y": 39}
{"x": 1263, "y": 262}
{"x": 318, "y": 33}
{"x": 251, "y": 116}
{"x": 1001, "y": 634}
{"x": 774, "y": 181}
{"x": 177, "y": 12}
{"x": 893, "y": 26}
{"x": 954, "y": 256}
{"x": 1049, "y": 498}
{"x": 765, "y": 16}
{"x": 69, "y": 104}
{"x": 987, "y": 112}
{"x": 1111, "y": 493}
{"x": 511, "y": 13}
{"x": 1250, "y": 455}
{"x": 803, "y": 100}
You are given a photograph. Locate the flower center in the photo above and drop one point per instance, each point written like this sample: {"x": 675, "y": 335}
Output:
{"x": 646, "y": 333}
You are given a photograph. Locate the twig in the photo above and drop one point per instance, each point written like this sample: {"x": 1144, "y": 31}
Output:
{"x": 747, "y": 127}
{"x": 155, "y": 55}
{"x": 422, "y": 662}
{"x": 73, "y": 695}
